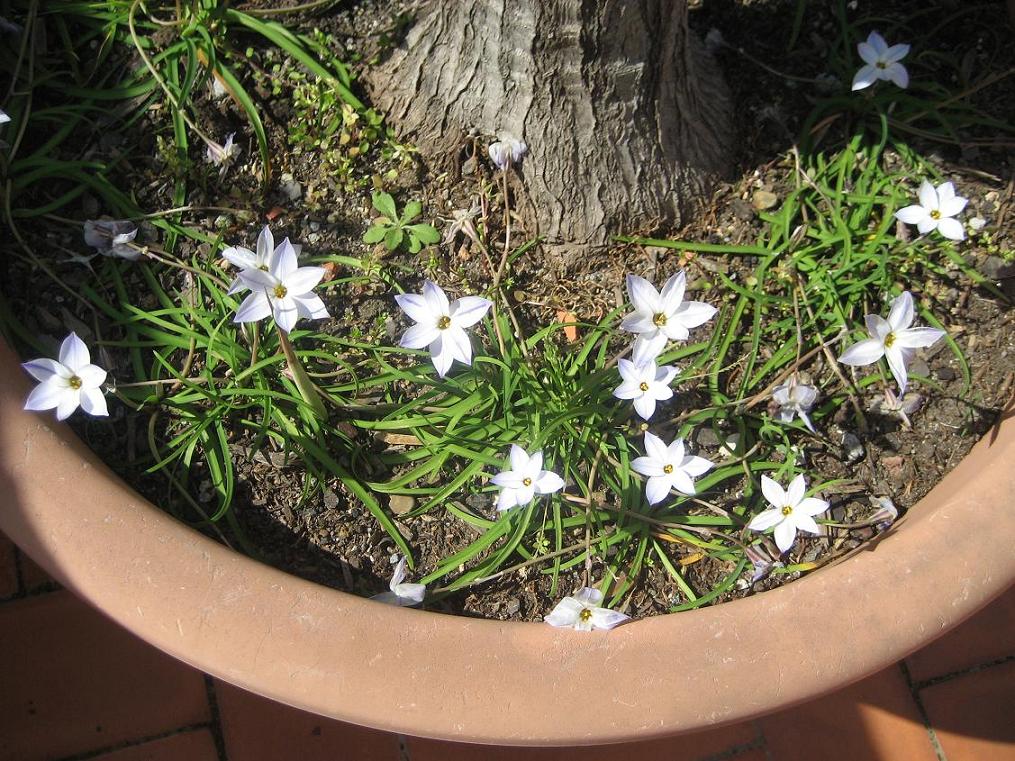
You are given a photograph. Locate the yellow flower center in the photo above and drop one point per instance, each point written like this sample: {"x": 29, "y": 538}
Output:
{"x": 787, "y": 510}
{"x": 585, "y": 615}
{"x": 935, "y": 214}
{"x": 280, "y": 291}
{"x": 889, "y": 340}
{"x": 659, "y": 319}
{"x": 526, "y": 482}
{"x": 444, "y": 323}
{"x": 667, "y": 469}
{"x": 881, "y": 65}
{"x": 643, "y": 386}
{"x": 263, "y": 268}
{"x": 74, "y": 382}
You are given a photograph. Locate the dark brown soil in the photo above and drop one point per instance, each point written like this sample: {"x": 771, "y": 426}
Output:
{"x": 327, "y": 536}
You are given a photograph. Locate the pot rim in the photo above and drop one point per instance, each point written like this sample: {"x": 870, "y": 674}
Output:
{"x": 473, "y": 680}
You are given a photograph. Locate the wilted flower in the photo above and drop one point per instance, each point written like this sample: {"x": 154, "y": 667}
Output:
{"x": 245, "y": 259}
{"x": 645, "y": 384}
{"x": 285, "y": 291}
{"x": 461, "y": 222}
{"x": 976, "y": 224}
{"x": 902, "y": 407}
{"x": 661, "y": 317}
{"x": 69, "y": 383}
{"x": 582, "y": 612}
{"x": 880, "y": 62}
{"x": 222, "y": 155}
{"x": 405, "y": 595}
{"x": 795, "y": 399}
{"x": 112, "y": 237}
{"x": 668, "y": 468}
{"x": 790, "y": 511}
{"x": 935, "y": 211}
{"x": 506, "y": 151}
{"x": 761, "y": 561}
{"x": 893, "y": 339}
{"x": 440, "y": 325}
{"x": 885, "y": 515}
{"x": 525, "y": 479}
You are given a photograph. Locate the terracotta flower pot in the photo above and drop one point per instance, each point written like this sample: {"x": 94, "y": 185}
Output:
{"x": 484, "y": 681}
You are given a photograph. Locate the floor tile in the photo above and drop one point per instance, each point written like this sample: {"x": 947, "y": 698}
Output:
{"x": 74, "y": 682}
{"x": 873, "y": 720}
{"x": 987, "y": 636}
{"x": 256, "y": 729}
{"x": 691, "y": 747}
{"x": 972, "y": 715}
{"x": 197, "y": 745}
{"x": 33, "y": 578}
{"x": 8, "y": 568}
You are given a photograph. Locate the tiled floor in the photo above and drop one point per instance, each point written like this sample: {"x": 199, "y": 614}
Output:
{"x": 74, "y": 686}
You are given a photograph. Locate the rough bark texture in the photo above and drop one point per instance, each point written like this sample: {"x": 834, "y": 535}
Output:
{"x": 624, "y": 113}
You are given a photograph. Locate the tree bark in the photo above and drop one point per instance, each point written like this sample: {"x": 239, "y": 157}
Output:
{"x": 625, "y": 115}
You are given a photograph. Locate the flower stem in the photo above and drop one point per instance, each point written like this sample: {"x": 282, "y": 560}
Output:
{"x": 308, "y": 389}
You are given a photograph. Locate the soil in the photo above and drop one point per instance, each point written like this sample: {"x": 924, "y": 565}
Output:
{"x": 327, "y": 536}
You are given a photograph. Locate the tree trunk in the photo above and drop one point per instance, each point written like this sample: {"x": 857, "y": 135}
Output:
{"x": 625, "y": 115}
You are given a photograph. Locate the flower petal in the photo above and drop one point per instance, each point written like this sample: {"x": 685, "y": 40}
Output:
{"x": 507, "y": 499}
{"x": 648, "y": 346}
{"x": 785, "y": 534}
{"x": 410, "y": 594}
{"x": 694, "y": 313}
{"x": 683, "y": 483}
{"x": 589, "y": 596}
{"x": 928, "y": 196}
{"x": 258, "y": 280}
{"x": 811, "y": 506}
{"x": 311, "y": 307}
{"x": 46, "y": 396}
{"x": 865, "y": 77}
{"x": 765, "y": 520}
{"x": 898, "y": 74}
{"x": 398, "y": 575}
{"x": 469, "y": 310}
{"x": 73, "y": 353}
{"x": 265, "y": 246}
{"x": 795, "y": 491}
{"x": 93, "y": 402}
{"x": 457, "y": 341}
{"x": 507, "y": 479}
{"x": 672, "y": 293}
{"x": 918, "y": 338}
{"x": 896, "y": 53}
{"x": 565, "y": 613}
{"x": 878, "y": 44}
{"x": 604, "y": 618}
{"x": 645, "y": 405}
{"x": 548, "y": 482}
{"x": 435, "y": 298}
{"x": 419, "y": 336}
{"x": 806, "y": 523}
{"x": 867, "y": 53}
{"x": 285, "y": 313}
{"x": 519, "y": 458}
{"x": 637, "y": 322}
{"x": 240, "y": 257}
{"x": 254, "y": 308}
{"x": 901, "y": 314}
{"x": 644, "y": 297}
{"x": 44, "y": 369}
{"x": 441, "y": 355}
{"x": 864, "y": 352}
{"x": 283, "y": 261}
{"x": 773, "y": 493}
{"x": 952, "y": 206}
{"x": 912, "y": 215}
{"x": 647, "y": 466}
{"x": 696, "y": 466}
{"x": 414, "y": 305}
{"x": 951, "y": 228}
{"x": 92, "y": 376}
{"x": 897, "y": 364}
{"x": 627, "y": 390}
{"x": 656, "y": 448}
{"x": 657, "y": 488}
{"x": 303, "y": 280}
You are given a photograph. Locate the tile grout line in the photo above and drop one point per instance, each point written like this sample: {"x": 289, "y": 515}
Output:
{"x": 215, "y": 727}
{"x": 936, "y": 680}
{"x": 84, "y": 756}
{"x": 924, "y": 717}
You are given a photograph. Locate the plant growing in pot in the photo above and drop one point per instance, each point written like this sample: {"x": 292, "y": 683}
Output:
{"x": 579, "y": 471}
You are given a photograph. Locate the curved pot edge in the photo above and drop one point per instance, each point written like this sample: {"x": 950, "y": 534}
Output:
{"x": 484, "y": 681}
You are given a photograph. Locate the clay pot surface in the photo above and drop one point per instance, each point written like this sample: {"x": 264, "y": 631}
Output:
{"x": 474, "y": 680}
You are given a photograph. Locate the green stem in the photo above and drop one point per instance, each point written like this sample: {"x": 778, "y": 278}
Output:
{"x": 308, "y": 390}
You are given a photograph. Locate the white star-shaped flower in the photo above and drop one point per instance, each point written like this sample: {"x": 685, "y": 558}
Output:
{"x": 440, "y": 325}
{"x": 645, "y": 384}
{"x": 405, "y": 595}
{"x": 582, "y": 613}
{"x": 68, "y": 384}
{"x": 507, "y": 150}
{"x": 524, "y": 480}
{"x": 222, "y": 155}
{"x": 245, "y": 259}
{"x": 668, "y": 468}
{"x": 892, "y": 339}
{"x": 880, "y": 63}
{"x": 790, "y": 511}
{"x": 285, "y": 290}
{"x": 661, "y": 316}
{"x": 935, "y": 211}
{"x": 795, "y": 399}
